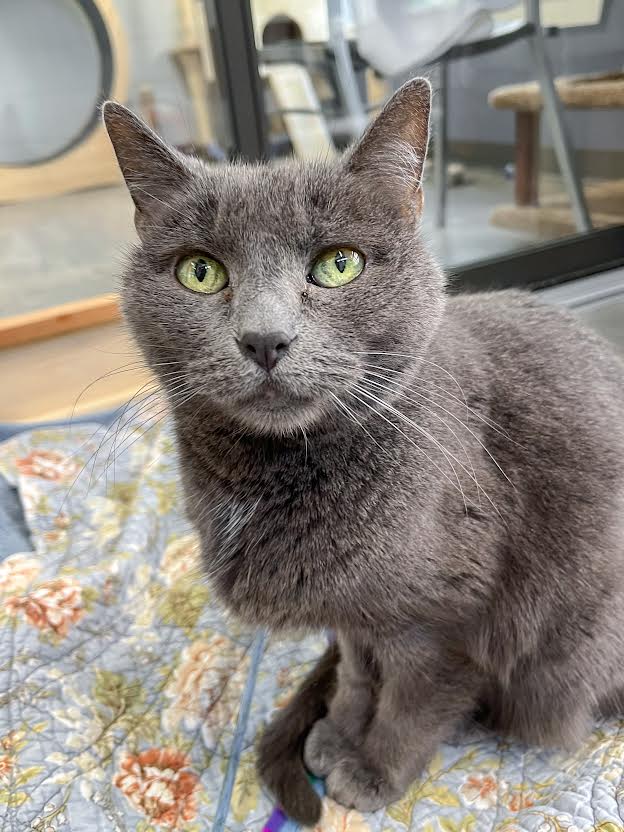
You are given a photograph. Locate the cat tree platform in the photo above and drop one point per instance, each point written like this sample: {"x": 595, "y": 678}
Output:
{"x": 579, "y": 92}
{"x": 553, "y": 216}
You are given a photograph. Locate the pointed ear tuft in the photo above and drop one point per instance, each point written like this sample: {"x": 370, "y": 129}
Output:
{"x": 394, "y": 147}
{"x": 152, "y": 169}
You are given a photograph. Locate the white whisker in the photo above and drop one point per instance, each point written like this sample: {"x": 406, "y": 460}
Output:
{"x": 305, "y": 439}
{"x": 449, "y": 413}
{"x": 426, "y": 361}
{"x": 486, "y": 420}
{"x": 431, "y": 412}
{"x": 354, "y": 419}
{"x": 416, "y": 445}
{"x": 444, "y": 450}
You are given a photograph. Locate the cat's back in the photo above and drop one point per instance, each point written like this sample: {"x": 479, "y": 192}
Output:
{"x": 553, "y": 387}
{"x": 532, "y": 347}
{"x": 552, "y": 392}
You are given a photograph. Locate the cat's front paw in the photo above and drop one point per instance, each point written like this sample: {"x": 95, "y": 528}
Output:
{"x": 324, "y": 748}
{"x": 355, "y": 785}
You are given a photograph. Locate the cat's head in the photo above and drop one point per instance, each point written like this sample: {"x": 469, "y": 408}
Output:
{"x": 265, "y": 290}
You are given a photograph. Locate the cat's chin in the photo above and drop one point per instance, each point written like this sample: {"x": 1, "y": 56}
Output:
{"x": 281, "y": 417}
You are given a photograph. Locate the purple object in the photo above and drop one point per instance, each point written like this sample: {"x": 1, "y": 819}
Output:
{"x": 275, "y": 821}
{"x": 280, "y": 822}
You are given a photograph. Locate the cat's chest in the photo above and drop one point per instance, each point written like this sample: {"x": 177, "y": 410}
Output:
{"x": 291, "y": 554}
{"x": 272, "y": 530}
{"x": 296, "y": 539}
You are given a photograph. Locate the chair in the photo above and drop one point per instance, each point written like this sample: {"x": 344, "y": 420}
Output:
{"x": 465, "y": 28}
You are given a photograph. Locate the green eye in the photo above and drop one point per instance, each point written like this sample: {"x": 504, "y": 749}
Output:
{"x": 202, "y": 274}
{"x": 337, "y": 267}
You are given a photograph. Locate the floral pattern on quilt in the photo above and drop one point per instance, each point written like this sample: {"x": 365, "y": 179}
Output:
{"x": 121, "y": 677}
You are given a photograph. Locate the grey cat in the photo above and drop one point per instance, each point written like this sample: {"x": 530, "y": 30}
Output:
{"x": 439, "y": 481}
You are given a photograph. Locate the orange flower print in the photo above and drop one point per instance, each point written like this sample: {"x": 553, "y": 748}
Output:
{"x": 51, "y": 607}
{"x": 10, "y": 740}
{"x": 48, "y": 465}
{"x": 61, "y": 524}
{"x": 181, "y": 558}
{"x": 159, "y": 784}
{"x": 17, "y": 572}
{"x": 7, "y": 764}
{"x": 206, "y": 687}
{"x": 519, "y": 801}
{"x": 483, "y": 792}
{"x": 62, "y": 521}
{"x": 9, "y": 744}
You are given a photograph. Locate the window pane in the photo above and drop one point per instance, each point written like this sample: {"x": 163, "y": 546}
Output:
{"x": 505, "y": 179}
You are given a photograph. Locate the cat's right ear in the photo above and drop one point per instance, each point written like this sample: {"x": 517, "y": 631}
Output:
{"x": 392, "y": 151}
{"x": 151, "y": 168}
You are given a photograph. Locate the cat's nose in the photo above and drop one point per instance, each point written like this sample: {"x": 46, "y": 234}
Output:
{"x": 265, "y": 349}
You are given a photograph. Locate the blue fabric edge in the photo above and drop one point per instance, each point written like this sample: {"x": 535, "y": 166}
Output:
{"x": 225, "y": 797}
{"x": 104, "y": 417}
{"x": 14, "y": 532}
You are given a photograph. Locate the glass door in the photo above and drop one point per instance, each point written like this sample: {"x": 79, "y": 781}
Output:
{"x": 66, "y": 219}
{"x": 523, "y": 185}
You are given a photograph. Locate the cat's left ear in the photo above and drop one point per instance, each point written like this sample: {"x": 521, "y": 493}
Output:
{"x": 393, "y": 149}
{"x": 153, "y": 171}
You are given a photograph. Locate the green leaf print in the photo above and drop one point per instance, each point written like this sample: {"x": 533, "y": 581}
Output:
{"x": 145, "y": 826}
{"x": 124, "y": 494}
{"x": 401, "y": 811}
{"x": 27, "y": 774}
{"x": 183, "y": 603}
{"x": 89, "y": 596}
{"x": 246, "y": 789}
{"x": 428, "y": 789}
{"x": 441, "y": 795}
{"x": 12, "y": 799}
{"x": 466, "y": 824}
{"x": 112, "y": 690}
{"x": 167, "y": 495}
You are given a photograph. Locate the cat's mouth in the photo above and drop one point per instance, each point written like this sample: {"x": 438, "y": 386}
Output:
{"x": 273, "y": 407}
{"x": 276, "y": 396}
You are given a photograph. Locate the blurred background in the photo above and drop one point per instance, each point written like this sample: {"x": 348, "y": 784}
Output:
{"x": 524, "y": 185}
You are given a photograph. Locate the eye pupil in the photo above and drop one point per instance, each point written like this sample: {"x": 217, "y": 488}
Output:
{"x": 336, "y": 267}
{"x": 201, "y": 268}
{"x": 341, "y": 261}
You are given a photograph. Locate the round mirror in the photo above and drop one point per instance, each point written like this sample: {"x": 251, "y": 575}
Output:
{"x": 54, "y": 63}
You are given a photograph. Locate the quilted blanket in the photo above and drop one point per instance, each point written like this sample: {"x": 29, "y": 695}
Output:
{"x": 129, "y": 700}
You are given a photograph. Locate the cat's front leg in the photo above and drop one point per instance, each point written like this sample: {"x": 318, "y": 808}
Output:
{"x": 415, "y": 712}
{"x": 337, "y": 736}
{"x": 353, "y": 705}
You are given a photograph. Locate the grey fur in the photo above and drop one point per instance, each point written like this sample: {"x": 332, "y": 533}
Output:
{"x": 438, "y": 480}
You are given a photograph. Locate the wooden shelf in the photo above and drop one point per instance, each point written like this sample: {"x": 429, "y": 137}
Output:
{"x": 42, "y": 380}
{"x": 56, "y": 320}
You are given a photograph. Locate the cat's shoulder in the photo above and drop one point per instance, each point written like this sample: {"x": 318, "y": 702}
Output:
{"x": 510, "y": 308}
{"x": 496, "y": 302}
{"x": 518, "y": 327}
